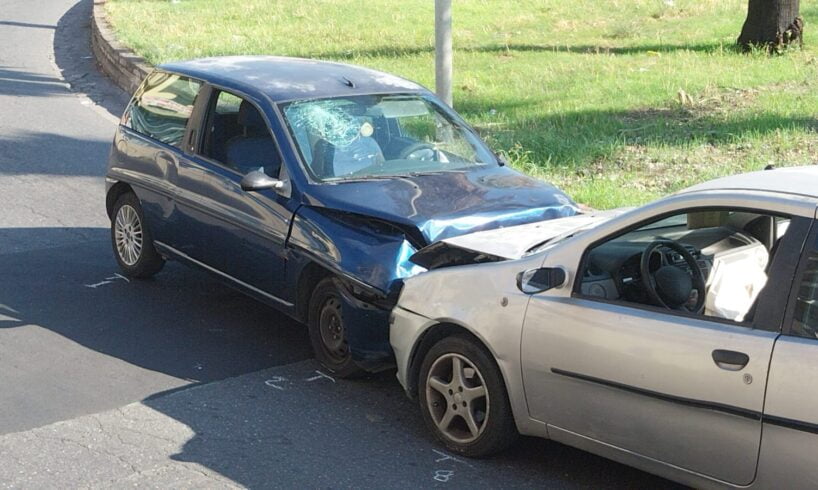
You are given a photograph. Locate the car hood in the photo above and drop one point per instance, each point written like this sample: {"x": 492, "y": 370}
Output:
{"x": 506, "y": 243}
{"x": 447, "y": 204}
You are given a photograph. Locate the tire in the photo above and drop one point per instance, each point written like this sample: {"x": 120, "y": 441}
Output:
{"x": 492, "y": 427}
{"x": 131, "y": 239}
{"x": 327, "y": 331}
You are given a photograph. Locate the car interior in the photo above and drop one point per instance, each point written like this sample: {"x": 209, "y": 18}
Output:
{"x": 237, "y": 136}
{"x": 713, "y": 263}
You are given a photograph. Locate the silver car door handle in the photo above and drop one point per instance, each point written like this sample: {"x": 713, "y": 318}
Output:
{"x": 730, "y": 360}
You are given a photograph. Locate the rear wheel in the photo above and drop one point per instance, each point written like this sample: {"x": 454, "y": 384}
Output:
{"x": 463, "y": 398}
{"x": 131, "y": 239}
{"x": 328, "y": 331}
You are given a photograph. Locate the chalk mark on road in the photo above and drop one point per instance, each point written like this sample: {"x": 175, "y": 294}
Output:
{"x": 446, "y": 457}
{"x": 275, "y": 381}
{"x": 108, "y": 280}
{"x": 321, "y": 375}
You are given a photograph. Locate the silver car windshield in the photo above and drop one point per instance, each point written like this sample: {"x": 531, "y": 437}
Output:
{"x": 376, "y": 136}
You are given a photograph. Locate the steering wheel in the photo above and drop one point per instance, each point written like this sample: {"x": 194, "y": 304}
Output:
{"x": 670, "y": 286}
{"x": 419, "y": 151}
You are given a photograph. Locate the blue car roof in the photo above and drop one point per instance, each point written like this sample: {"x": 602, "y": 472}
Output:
{"x": 282, "y": 78}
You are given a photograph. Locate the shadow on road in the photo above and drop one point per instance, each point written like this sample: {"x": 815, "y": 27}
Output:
{"x": 74, "y": 58}
{"x": 292, "y": 427}
{"x": 46, "y": 153}
{"x": 181, "y": 323}
{"x": 25, "y": 84}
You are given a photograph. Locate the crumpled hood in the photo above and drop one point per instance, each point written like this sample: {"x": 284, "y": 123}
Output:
{"x": 515, "y": 241}
{"x": 504, "y": 243}
{"x": 449, "y": 204}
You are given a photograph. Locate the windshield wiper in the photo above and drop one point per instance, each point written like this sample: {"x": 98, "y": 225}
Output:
{"x": 358, "y": 179}
{"x": 434, "y": 172}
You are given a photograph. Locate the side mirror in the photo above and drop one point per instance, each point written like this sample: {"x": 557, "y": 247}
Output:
{"x": 538, "y": 280}
{"x": 259, "y": 181}
{"x": 502, "y": 160}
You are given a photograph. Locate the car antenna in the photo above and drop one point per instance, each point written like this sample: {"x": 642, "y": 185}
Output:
{"x": 349, "y": 83}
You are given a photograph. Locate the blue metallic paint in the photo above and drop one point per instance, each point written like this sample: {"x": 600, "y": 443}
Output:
{"x": 363, "y": 232}
{"x": 447, "y": 204}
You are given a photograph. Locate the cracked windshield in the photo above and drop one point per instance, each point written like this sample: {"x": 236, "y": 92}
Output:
{"x": 373, "y": 136}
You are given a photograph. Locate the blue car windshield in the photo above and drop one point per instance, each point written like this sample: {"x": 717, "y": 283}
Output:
{"x": 375, "y": 136}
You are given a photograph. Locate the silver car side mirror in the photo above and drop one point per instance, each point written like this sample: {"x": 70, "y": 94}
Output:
{"x": 533, "y": 281}
{"x": 259, "y": 181}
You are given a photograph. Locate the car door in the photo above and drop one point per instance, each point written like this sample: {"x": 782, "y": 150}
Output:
{"x": 682, "y": 389}
{"x": 789, "y": 446}
{"x": 149, "y": 145}
{"x": 238, "y": 234}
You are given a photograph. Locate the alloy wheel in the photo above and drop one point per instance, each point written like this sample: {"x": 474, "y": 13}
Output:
{"x": 128, "y": 235}
{"x": 457, "y": 398}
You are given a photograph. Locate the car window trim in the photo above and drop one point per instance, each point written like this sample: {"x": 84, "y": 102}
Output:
{"x": 774, "y": 326}
{"x": 810, "y": 245}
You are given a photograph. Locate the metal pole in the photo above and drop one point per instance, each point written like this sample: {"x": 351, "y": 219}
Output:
{"x": 443, "y": 50}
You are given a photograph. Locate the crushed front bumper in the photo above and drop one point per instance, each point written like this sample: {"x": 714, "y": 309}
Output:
{"x": 405, "y": 329}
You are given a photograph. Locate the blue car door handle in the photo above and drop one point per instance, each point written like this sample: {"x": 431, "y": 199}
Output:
{"x": 168, "y": 157}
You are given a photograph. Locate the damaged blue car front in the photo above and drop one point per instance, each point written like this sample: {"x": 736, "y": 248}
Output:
{"x": 309, "y": 185}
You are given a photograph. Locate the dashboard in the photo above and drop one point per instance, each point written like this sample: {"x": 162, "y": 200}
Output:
{"x": 612, "y": 270}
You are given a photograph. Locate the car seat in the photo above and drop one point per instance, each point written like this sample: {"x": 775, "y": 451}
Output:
{"x": 254, "y": 148}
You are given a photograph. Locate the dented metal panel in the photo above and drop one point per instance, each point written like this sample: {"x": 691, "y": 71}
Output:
{"x": 370, "y": 252}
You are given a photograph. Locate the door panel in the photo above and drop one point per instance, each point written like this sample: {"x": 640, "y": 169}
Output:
{"x": 646, "y": 381}
{"x": 239, "y": 233}
{"x": 790, "y": 442}
{"x": 789, "y": 447}
{"x": 150, "y": 167}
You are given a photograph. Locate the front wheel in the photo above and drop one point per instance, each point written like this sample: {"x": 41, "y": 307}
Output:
{"x": 327, "y": 330}
{"x": 463, "y": 398}
{"x": 131, "y": 239}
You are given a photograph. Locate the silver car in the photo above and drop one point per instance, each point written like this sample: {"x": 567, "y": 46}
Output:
{"x": 680, "y": 337}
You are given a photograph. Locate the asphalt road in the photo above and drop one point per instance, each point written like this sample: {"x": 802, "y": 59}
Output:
{"x": 80, "y": 346}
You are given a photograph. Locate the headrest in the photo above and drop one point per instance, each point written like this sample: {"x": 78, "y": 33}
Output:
{"x": 249, "y": 116}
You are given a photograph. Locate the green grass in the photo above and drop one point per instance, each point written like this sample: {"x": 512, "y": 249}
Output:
{"x": 616, "y": 101}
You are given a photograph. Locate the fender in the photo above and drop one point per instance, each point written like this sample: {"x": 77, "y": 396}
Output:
{"x": 370, "y": 259}
{"x": 372, "y": 254}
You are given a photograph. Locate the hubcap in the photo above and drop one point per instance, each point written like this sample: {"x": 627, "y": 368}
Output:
{"x": 333, "y": 334}
{"x": 457, "y": 398}
{"x": 128, "y": 234}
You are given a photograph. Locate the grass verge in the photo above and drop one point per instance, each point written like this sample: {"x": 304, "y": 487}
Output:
{"x": 616, "y": 101}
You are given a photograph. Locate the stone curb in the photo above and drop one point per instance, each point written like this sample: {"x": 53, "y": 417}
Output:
{"x": 123, "y": 66}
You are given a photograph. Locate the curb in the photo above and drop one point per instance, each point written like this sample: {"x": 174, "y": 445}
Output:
{"x": 117, "y": 61}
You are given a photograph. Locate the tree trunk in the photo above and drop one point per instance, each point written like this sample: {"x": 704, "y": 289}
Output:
{"x": 772, "y": 25}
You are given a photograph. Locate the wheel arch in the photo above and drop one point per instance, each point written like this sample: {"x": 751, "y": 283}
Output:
{"x": 311, "y": 274}
{"x": 432, "y": 336}
{"x": 115, "y": 192}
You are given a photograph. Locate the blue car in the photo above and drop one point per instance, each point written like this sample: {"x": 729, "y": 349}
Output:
{"x": 308, "y": 185}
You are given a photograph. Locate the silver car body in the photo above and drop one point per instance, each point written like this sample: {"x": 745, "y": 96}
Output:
{"x": 632, "y": 384}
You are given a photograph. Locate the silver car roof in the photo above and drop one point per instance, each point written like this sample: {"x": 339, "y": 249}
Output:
{"x": 801, "y": 181}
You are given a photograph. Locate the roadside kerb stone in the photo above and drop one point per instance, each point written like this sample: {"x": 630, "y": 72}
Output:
{"x": 123, "y": 66}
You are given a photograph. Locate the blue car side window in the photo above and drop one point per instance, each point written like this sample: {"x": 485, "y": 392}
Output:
{"x": 162, "y": 107}
{"x": 236, "y": 136}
